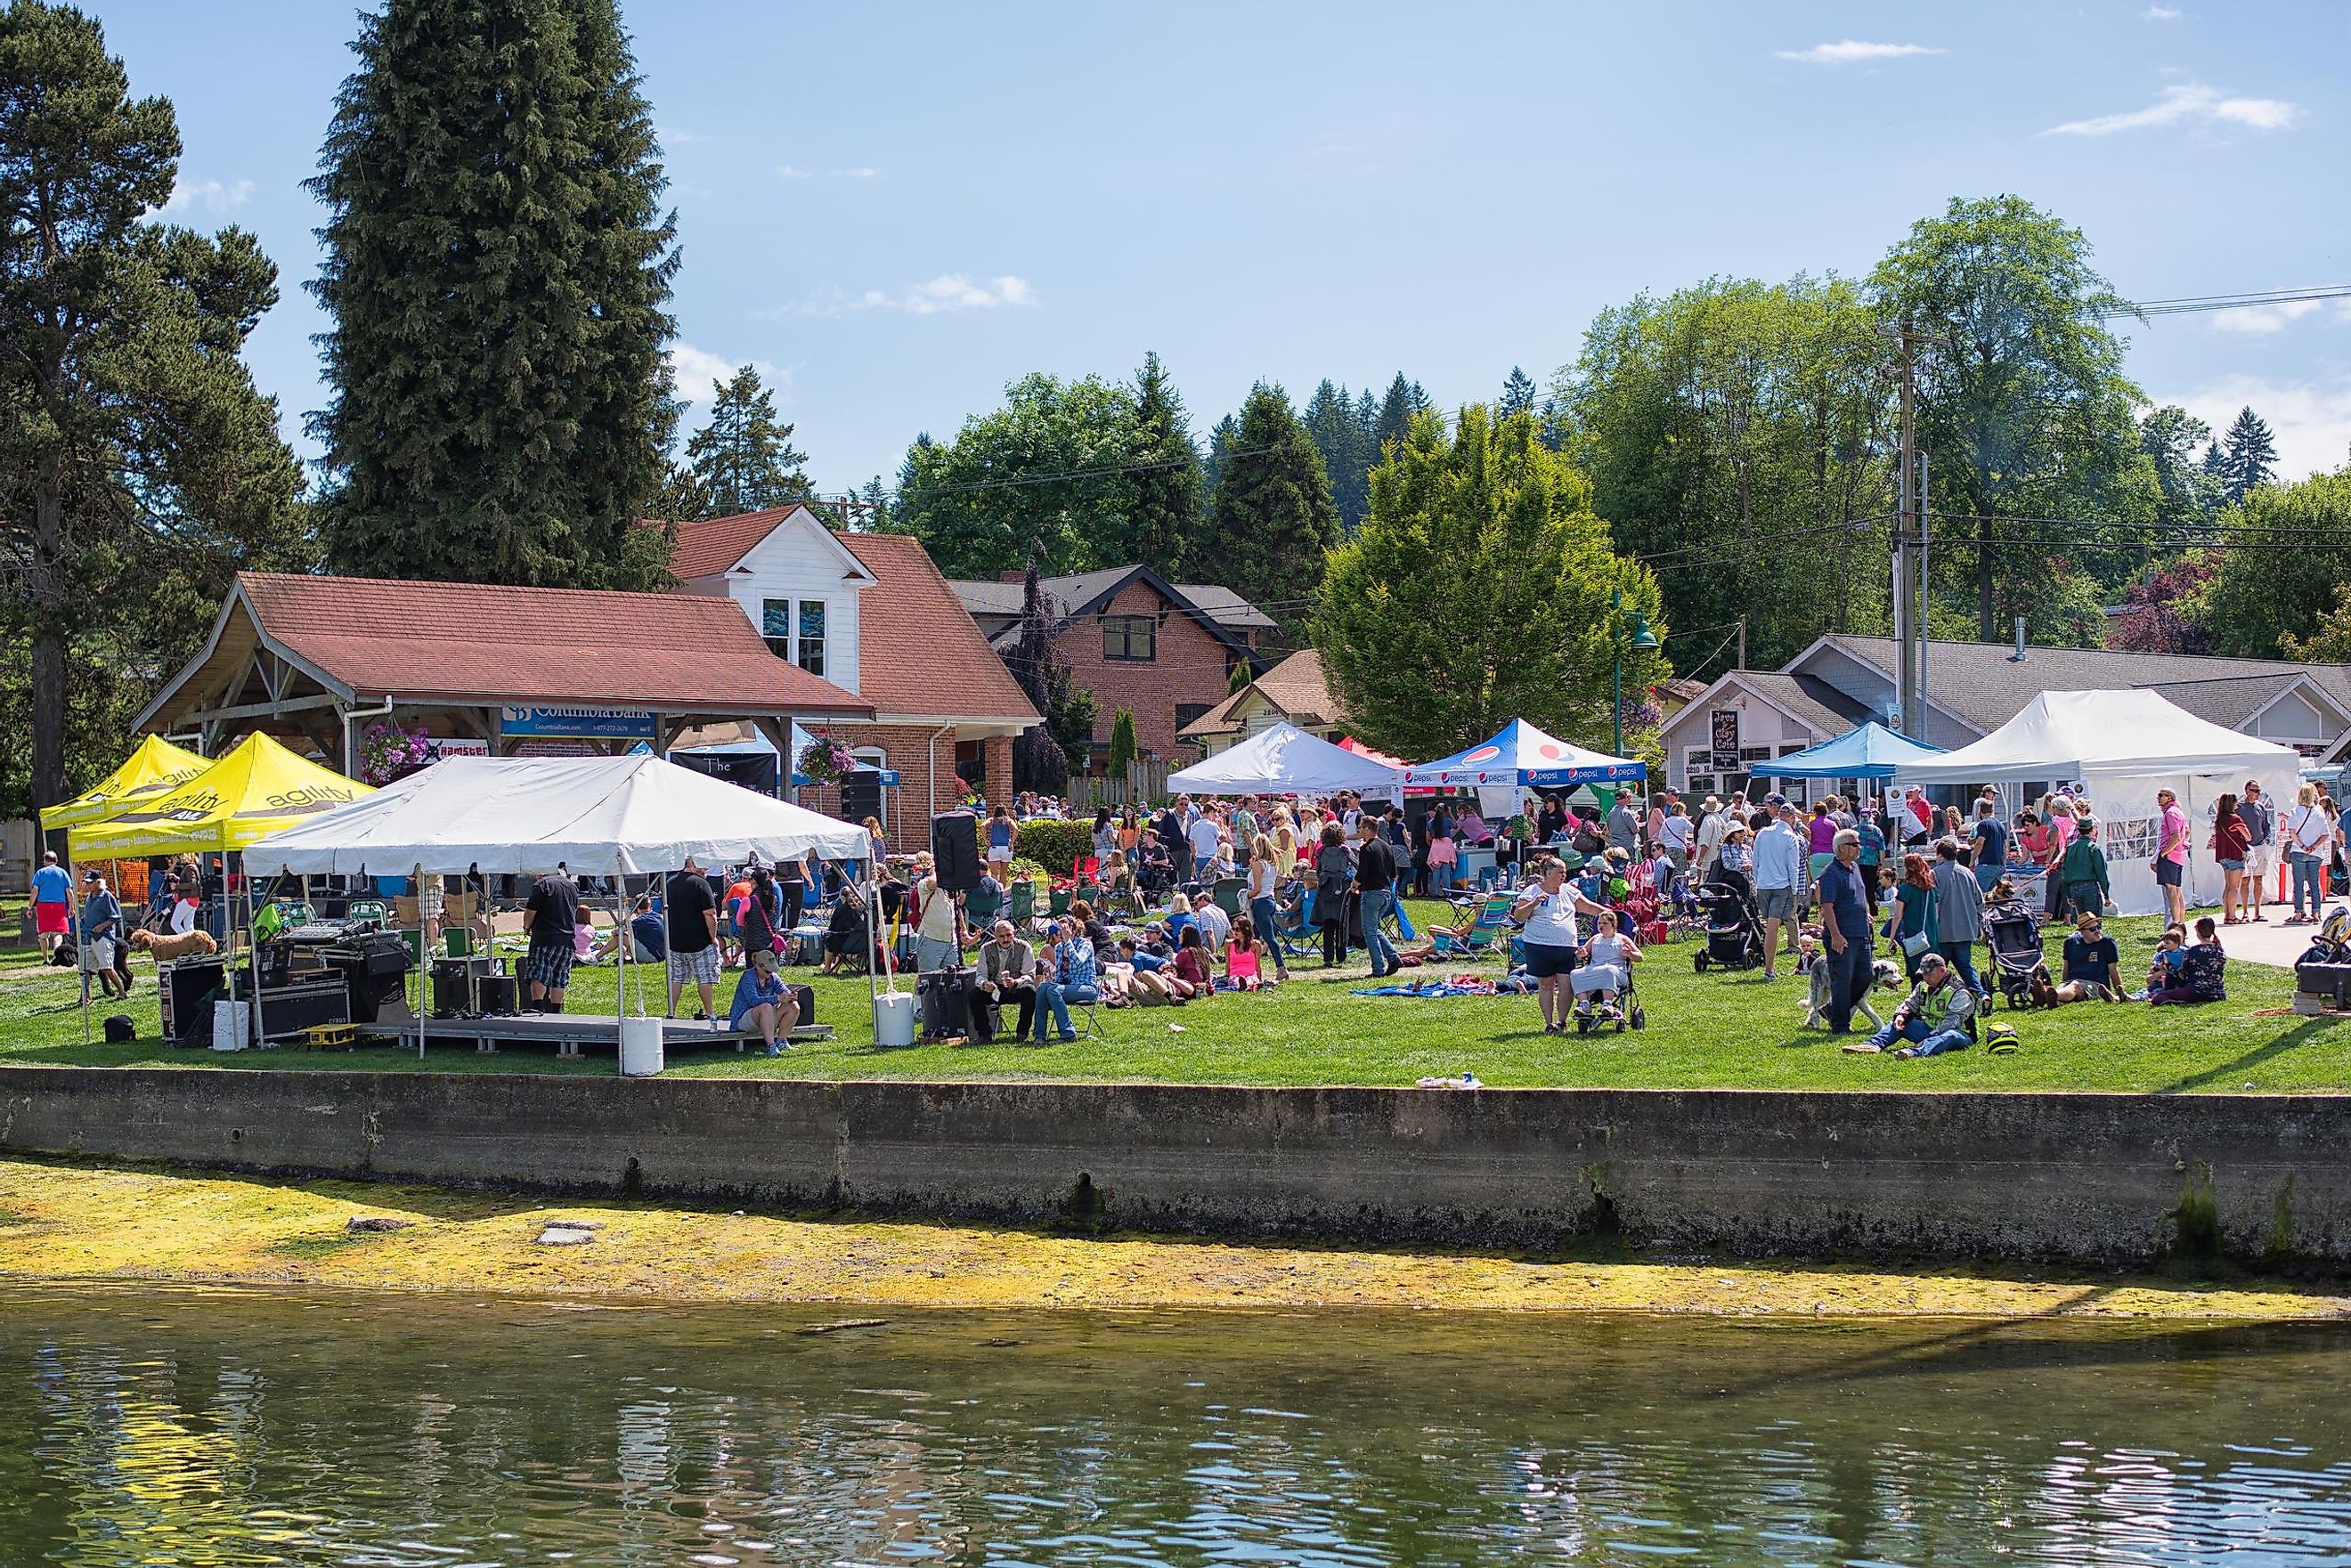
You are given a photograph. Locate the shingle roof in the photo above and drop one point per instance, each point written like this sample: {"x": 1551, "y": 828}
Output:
{"x": 706, "y": 548}
{"x": 1809, "y": 698}
{"x": 1979, "y": 682}
{"x": 1224, "y": 606}
{"x": 918, "y": 651}
{"x": 492, "y": 642}
{"x": 983, "y": 598}
{"x": 1297, "y": 686}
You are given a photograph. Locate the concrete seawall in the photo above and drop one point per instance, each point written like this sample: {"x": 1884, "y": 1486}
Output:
{"x": 2086, "y": 1178}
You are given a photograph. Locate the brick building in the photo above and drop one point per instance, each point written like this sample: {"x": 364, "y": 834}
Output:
{"x": 1164, "y": 651}
{"x": 870, "y": 613}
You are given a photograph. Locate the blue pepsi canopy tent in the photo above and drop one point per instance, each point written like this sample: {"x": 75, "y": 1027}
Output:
{"x": 1873, "y": 751}
{"x": 1525, "y": 757}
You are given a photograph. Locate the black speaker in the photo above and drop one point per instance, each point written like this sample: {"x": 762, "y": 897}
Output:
{"x": 861, "y": 795}
{"x": 955, "y": 849}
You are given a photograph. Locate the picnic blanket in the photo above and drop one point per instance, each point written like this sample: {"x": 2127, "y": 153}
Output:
{"x": 1447, "y": 985}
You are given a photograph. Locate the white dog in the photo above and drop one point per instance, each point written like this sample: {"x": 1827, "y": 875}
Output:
{"x": 1885, "y": 974}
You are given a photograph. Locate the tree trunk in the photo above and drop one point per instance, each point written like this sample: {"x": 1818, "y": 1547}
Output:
{"x": 1987, "y": 628}
{"x": 47, "y": 582}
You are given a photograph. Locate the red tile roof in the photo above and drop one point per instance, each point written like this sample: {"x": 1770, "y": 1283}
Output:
{"x": 918, "y": 650}
{"x": 678, "y": 653}
{"x": 706, "y": 548}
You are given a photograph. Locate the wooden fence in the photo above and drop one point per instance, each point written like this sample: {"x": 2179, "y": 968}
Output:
{"x": 1145, "y": 783}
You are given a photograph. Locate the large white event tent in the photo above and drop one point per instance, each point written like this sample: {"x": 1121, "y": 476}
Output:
{"x": 1286, "y": 760}
{"x": 2122, "y": 746}
{"x": 597, "y": 816}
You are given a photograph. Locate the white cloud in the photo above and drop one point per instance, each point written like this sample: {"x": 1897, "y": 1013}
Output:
{"x": 949, "y": 291}
{"x": 695, "y": 369}
{"x": 791, "y": 172}
{"x": 670, "y": 136}
{"x": 2262, "y": 318}
{"x": 2187, "y": 103}
{"x": 794, "y": 172}
{"x": 1851, "y": 51}
{"x": 213, "y": 195}
{"x": 857, "y": 173}
{"x": 2310, "y": 420}
{"x": 2158, "y": 14}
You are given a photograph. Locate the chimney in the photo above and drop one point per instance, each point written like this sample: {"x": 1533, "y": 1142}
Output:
{"x": 1011, "y": 576}
{"x": 2018, "y": 657}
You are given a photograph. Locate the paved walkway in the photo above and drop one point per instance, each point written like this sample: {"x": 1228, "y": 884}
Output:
{"x": 2267, "y": 942}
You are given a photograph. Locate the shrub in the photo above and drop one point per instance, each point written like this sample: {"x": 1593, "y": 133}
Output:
{"x": 1056, "y": 845}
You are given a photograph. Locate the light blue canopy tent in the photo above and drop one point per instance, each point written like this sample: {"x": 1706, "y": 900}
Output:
{"x": 1524, "y": 758}
{"x": 1873, "y": 751}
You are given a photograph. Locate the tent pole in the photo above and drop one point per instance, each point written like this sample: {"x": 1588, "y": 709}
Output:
{"x": 423, "y": 974}
{"x": 253, "y": 922}
{"x": 81, "y": 956}
{"x": 621, "y": 936}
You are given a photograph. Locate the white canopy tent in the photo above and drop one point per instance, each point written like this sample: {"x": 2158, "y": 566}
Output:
{"x": 600, "y": 816}
{"x": 1286, "y": 760}
{"x": 597, "y": 816}
{"x": 2122, "y": 746}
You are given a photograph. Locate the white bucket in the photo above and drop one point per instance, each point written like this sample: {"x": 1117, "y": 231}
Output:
{"x": 231, "y": 1024}
{"x": 893, "y": 1019}
{"x": 641, "y": 1046}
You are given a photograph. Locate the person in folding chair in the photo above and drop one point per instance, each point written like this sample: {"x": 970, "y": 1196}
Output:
{"x": 1074, "y": 983}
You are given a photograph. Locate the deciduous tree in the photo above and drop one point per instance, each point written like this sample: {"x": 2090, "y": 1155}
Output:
{"x": 1479, "y": 591}
{"x": 1049, "y": 472}
{"x": 2289, "y": 552}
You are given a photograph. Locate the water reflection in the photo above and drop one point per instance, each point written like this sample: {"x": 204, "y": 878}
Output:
{"x": 211, "y": 1428}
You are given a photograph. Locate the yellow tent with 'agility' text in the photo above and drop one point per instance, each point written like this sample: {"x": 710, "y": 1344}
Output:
{"x": 157, "y": 765}
{"x": 256, "y": 789}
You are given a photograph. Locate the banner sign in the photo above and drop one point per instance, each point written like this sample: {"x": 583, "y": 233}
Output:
{"x": 578, "y": 723}
{"x": 1725, "y": 738}
{"x": 443, "y": 745}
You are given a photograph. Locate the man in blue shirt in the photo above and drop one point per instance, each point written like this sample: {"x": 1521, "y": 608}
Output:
{"x": 52, "y": 904}
{"x": 1991, "y": 836}
{"x": 1845, "y": 929}
{"x": 101, "y": 927}
{"x": 1780, "y": 855}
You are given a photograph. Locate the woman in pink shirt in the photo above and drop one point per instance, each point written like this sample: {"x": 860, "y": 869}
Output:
{"x": 2171, "y": 858}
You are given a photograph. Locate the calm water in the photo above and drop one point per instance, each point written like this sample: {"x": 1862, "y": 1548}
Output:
{"x": 206, "y": 1427}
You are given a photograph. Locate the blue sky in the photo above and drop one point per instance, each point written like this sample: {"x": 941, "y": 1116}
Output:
{"x": 895, "y": 209}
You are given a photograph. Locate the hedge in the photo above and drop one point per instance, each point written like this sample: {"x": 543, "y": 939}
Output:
{"x": 1056, "y": 845}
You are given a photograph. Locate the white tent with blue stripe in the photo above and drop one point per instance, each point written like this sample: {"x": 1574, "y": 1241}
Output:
{"x": 1523, "y": 756}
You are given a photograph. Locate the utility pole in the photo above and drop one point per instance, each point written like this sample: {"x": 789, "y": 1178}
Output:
{"x": 1909, "y": 628}
{"x": 1742, "y": 644}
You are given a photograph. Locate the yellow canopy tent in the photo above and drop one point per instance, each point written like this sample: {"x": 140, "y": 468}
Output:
{"x": 258, "y": 788}
{"x": 157, "y": 765}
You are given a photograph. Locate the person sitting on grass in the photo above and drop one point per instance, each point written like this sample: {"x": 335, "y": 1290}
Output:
{"x": 1191, "y": 965}
{"x": 1606, "y": 969}
{"x": 1246, "y": 957}
{"x": 2092, "y": 964}
{"x": 2170, "y": 952}
{"x": 2202, "y": 967}
{"x": 1138, "y": 977}
{"x": 762, "y": 1002}
{"x": 1179, "y": 918}
{"x": 1937, "y": 1016}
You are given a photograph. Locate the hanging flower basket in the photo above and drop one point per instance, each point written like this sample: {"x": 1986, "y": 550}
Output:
{"x": 388, "y": 752}
{"x": 825, "y": 761}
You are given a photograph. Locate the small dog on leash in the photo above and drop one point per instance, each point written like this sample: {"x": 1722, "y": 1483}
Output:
{"x": 1885, "y": 974}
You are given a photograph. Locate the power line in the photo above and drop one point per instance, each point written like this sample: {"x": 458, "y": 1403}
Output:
{"x": 2194, "y": 303}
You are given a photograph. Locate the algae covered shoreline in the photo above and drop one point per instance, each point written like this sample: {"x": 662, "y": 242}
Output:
{"x": 69, "y": 1221}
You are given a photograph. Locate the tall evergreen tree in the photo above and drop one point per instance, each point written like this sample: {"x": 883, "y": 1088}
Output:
{"x": 1165, "y": 512}
{"x": 743, "y": 460}
{"x": 2251, "y": 457}
{"x": 1345, "y": 443}
{"x": 497, "y": 273}
{"x": 1272, "y": 518}
{"x": 1396, "y": 410}
{"x": 139, "y": 467}
{"x": 1221, "y": 440}
{"x": 1517, "y": 394}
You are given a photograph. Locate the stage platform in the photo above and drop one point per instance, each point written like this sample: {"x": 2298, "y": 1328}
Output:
{"x": 572, "y": 1034}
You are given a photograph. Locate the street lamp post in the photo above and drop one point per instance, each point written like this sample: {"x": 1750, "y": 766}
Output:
{"x": 1644, "y": 642}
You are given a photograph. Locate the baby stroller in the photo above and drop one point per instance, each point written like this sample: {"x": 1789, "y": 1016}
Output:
{"x": 2013, "y": 935}
{"x": 1732, "y": 925}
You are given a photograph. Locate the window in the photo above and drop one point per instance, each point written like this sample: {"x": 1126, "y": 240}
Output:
{"x": 775, "y": 626}
{"x": 812, "y": 650}
{"x": 1131, "y": 637}
{"x": 1187, "y": 712}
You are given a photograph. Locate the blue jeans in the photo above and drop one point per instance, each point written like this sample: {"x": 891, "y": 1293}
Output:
{"x": 1925, "y": 1044}
{"x": 1267, "y": 918}
{"x": 1848, "y": 983}
{"x": 1375, "y": 905}
{"x": 1962, "y": 957}
{"x": 1055, "y": 998}
{"x": 2305, "y": 875}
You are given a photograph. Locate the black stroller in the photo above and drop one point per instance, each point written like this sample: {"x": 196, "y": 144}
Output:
{"x": 1731, "y": 924}
{"x": 2012, "y": 933}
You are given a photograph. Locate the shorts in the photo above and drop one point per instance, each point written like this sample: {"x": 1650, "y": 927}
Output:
{"x": 2233, "y": 865}
{"x": 999, "y": 854}
{"x": 2166, "y": 874}
{"x": 1820, "y": 862}
{"x": 547, "y": 965}
{"x": 699, "y": 967}
{"x": 1775, "y": 903}
{"x": 434, "y": 899}
{"x": 1544, "y": 960}
{"x": 2263, "y": 861}
{"x": 98, "y": 953}
{"x": 50, "y": 919}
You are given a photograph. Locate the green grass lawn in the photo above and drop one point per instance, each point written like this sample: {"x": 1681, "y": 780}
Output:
{"x": 1714, "y": 1031}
